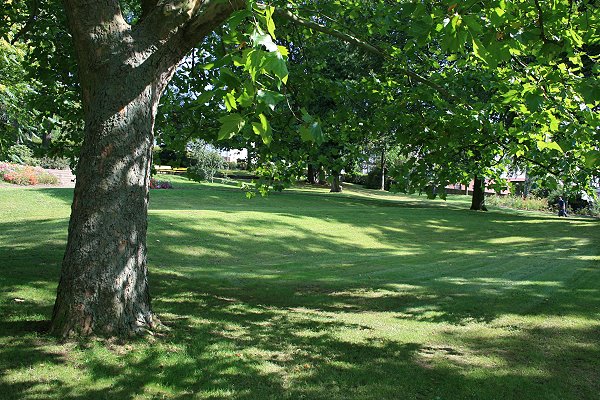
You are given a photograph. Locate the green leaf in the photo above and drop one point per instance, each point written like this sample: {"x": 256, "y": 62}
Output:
{"x": 205, "y": 97}
{"x": 534, "y": 101}
{"x": 270, "y": 22}
{"x": 218, "y": 63}
{"x": 229, "y": 78}
{"x": 230, "y": 102}
{"x": 276, "y": 64}
{"x": 263, "y": 128}
{"x": 312, "y": 132}
{"x": 497, "y": 18}
{"x": 542, "y": 145}
{"x": 554, "y": 123}
{"x": 262, "y": 39}
{"x": 472, "y": 24}
{"x": 509, "y": 96}
{"x": 246, "y": 99}
{"x": 254, "y": 61}
{"x": 231, "y": 125}
{"x": 590, "y": 91}
{"x": 237, "y": 17}
{"x": 592, "y": 159}
{"x": 270, "y": 98}
{"x": 479, "y": 50}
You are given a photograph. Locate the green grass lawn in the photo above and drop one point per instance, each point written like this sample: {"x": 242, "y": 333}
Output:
{"x": 307, "y": 294}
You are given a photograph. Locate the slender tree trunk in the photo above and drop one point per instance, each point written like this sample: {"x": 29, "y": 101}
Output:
{"x": 478, "y": 199}
{"x": 46, "y": 135}
{"x": 249, "y": 158}
{"x": 311, "y": 175}
{"x": 321, "y": 175}
{"x": 383, "y": 169}
{"x": 336, "y": 186}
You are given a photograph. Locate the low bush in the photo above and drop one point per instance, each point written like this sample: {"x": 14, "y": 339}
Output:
{"x": 356, "y": 178}
{"x": 530, "y": 203}
{"x": 206, "y": 162}
{"x": 54, "y": 162}
{"x": 374, "y": 180}
{"x": 26, "y": 175}
{"x": 156, "y": 184}
{"x": 592, "y": 209}
{"x": 231, "y": 165}
{"x": 21, "y": 154}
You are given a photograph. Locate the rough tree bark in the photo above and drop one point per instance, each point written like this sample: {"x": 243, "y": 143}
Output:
{"x": 478, "y": 199}
{"x": 124, "y": 69}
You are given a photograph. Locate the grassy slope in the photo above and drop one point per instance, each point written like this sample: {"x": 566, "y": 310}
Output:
{"x": 317, "y": 295}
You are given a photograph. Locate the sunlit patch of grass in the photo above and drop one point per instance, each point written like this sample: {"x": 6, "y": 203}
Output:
{"x": 307, "y": 294}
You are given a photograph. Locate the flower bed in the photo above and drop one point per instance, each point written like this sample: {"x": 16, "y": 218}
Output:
{"x": 156, "y": 184}
{"x": 26, "y": 175}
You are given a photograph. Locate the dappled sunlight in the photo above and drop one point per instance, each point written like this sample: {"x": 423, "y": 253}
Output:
{"x": 511, "y": 240}
{"x": 320, "y": 296}
{"x": 505, "y": 283}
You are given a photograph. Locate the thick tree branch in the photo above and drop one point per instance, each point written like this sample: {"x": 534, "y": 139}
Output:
{"x": 212, "y": 14}
{"x": 179, "y": 25}
{"x": 365, "y": 46}
{"x": 93, "y": 45}
{"x": 147, "y": 7}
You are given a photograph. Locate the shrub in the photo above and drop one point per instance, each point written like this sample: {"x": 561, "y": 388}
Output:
{"x": 231, "y": 165}
{"x": 206, "y": 162}
{"x": 357, "y": 178}
{"x": 242, "y": 164}
{"x": 530, "y": 203}
{"x": 593, "y": 210}
{"x": 156, "y": 184}
{"x": 373, "y": 180}
{"x": 21, "y": 154}
{"x": 26, "y": 175}
{"x": 54, "y": 162}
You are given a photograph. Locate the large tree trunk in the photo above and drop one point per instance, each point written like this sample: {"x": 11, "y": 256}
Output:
{"x": 103, "y": 287}
{"x": 478, "y": 199}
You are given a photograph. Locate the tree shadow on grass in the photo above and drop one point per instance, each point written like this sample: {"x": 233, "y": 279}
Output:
{"x": 303, "y": 312}
{"x": 230, "y": 349}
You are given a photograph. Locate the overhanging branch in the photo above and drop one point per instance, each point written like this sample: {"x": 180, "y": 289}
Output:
{"x": 287, "y": 15}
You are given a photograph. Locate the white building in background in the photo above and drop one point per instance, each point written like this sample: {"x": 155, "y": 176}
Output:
{"x": 234, "y": 155}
